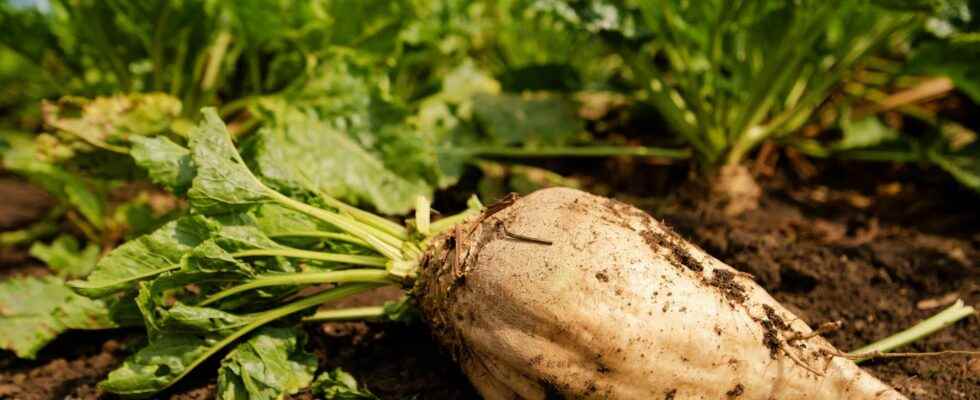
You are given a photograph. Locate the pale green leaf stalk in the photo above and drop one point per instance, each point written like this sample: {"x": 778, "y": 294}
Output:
{"x": 945, "y": 318}
{"x": 728, "y": 76}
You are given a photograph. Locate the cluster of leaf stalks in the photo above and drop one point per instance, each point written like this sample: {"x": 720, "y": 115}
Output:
{"x": 730, "y": 76}
{"x": 239, "y": 272}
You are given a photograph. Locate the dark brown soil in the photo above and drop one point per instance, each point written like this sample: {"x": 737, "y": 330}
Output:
{"x": 851, "y": 243}
{"x": 879, "y": 260}
{"x": 22, "y": 203}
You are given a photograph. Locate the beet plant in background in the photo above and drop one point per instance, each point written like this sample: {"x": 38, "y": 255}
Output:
{"x": 729, "y": 76}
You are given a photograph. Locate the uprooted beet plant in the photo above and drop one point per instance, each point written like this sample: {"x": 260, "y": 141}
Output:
{"x": 559, "y": 293}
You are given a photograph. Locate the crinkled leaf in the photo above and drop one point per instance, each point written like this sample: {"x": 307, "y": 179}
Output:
{"x": 209, "y": 257}
{"x": 340, "y": 93}
{"x": 300, "y": 150}
{"x": 182, "y": 318}
{"x": 424, "y": 152}
{"x": 242, "y": 235}
{"x": 368, "y": 25}
{"x": 463, "y": 83}
{"x": 167, "y": 163}
{"x": 238, "y": 232}
{"x": 180, "y": 338}
{"x": 66, "y": 257}
{"x": 157, "y": 365}
{"x": 470, "y": 113}
{"x": 156, "y": 299}
{"x": 144, "y": 257}
{"x": 108, "y": 123}
{"x": 223, "y": 182}
{"x": 33, "y": 311}
{"x": 269, "y": 365}
{"x": 340, "y": 385}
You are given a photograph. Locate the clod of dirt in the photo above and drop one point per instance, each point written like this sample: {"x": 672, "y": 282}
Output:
{"x": 736, "y": 391}
{"x": 22, "y": 203}
{"x": 777, "y": 321}
{"x": 67, "y": 375}
{"x": 725, "y": 281}
{"x": 678, "y": 255}
{"x": 770, "y": 338}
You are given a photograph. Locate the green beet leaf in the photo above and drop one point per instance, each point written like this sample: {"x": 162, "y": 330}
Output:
{"x": 154, "y": 300}
{"x": 157, "y": 365}
{"x": 180, "y": 338}
{"x": 66, "y": 257}
{"x": 223, "y": 183}
{"x": 144, "y": 257}
{"x": 509, "y": 119}
{"x": 167, "y": 163}
{"x": 109, "y": 122}
{"x": 340, "y": 385}
{"x": 182, "y": 318}
{"x": 209, "y": 257}
{"x": 267, "y": 366}
{"x": 35, "y": 310}
{"x": 299, "y": 150}
{"x": 277, "y": 221}
{"x": 238, "y": 232}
